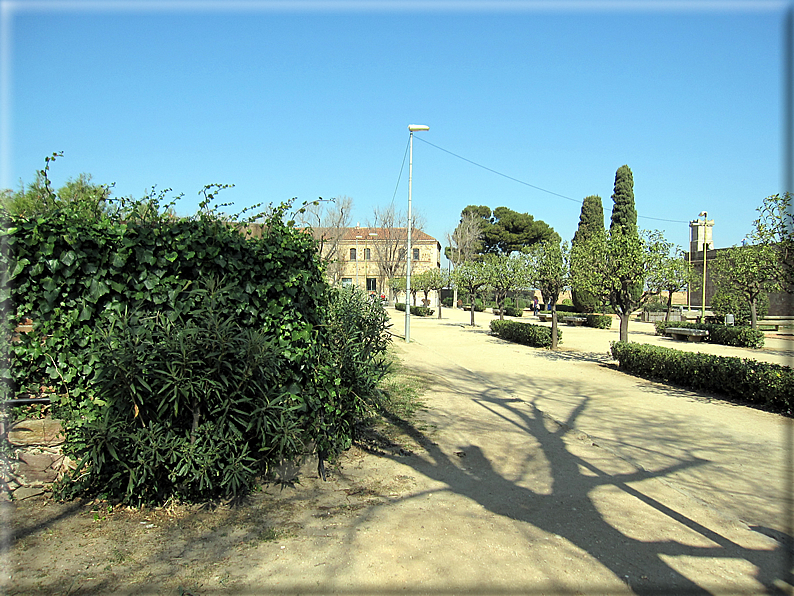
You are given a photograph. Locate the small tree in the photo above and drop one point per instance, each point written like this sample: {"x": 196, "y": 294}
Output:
{"x": 673, "y": 274}
{"x": 551, "y": 270}
{"x": 433, "y": 279}
{"x": 748, "y": 271}
{"x": 471, "y": 276}
{"x": 775, "y": 228}
{"x": 614, "y": 265}
{"x": 505, "y": 273}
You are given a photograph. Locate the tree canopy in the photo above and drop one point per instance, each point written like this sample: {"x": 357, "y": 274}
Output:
{"x": 504, "y": 231}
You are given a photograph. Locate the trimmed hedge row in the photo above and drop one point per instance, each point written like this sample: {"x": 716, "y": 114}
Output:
{"x": 599, "y": 321}
{"x": 740, "y": 337}
{"x": 741, "y": 379}
{"x": 537, "y": 336}
{"x": 419, "y": 311}
{"x": 512, "y": 311}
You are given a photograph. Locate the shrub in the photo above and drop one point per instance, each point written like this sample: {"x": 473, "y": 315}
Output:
{"x": 729, "y": 303}
{"x": 741, "y": 337}
{"x": 527, "y": 334}
{"x": 447, "y": 302}
{"x": 739, "y": 379}
{"x": 419, "y": 311}
{"x": 599, "y": 321}
{"x": 511, "y": 311}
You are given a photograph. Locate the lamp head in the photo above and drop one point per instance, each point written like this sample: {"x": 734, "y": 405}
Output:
{"x": 703, "y": 214}
{"x": 416, "y": 127}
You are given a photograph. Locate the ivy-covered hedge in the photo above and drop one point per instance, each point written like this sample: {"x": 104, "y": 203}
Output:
{"x": 741, "y": 337}
{"x": 419, "y": 311}
{"x": 161, "y": 392}
{"x": 746, "y": 380}
{"x": 537, "y": 336}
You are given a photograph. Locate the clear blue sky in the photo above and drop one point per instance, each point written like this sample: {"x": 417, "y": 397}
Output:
{"x": 315, "y": 102}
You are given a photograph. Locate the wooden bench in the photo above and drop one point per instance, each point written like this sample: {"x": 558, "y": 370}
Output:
{"x": 544, "y": 316}
{"x": 684, "y": 334}
{"x": 575, "y": 320}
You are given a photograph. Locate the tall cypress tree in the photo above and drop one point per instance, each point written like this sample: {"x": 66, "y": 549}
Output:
{"x": 591, "y": 221}
{"x": 624, "y": 214}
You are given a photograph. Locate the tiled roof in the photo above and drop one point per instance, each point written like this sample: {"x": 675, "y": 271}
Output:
{"x": 380, "y": 234}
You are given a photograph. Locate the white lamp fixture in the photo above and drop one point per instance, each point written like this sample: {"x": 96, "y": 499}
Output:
{"x": 412, "y": 128}
{"x": 704, "y": 215}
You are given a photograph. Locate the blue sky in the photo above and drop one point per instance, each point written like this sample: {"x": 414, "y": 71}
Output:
{"x": 315, "y": 101}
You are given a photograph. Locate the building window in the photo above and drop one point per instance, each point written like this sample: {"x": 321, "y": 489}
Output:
{"x": 416, "y": 254}
{"x": 352, "y": 254}
{"x": 372, "y": 284}
{"x": 347, "y": 281}
{"x": 367, "y": 254}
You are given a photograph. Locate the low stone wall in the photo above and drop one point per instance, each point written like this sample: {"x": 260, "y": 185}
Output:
{"x": 35, "y": 460}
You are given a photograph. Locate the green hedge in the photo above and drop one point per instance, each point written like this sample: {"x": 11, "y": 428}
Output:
{"x": 538, "y": 336}
{"x": 741, "y": 379}
{"x": 740, "y": 337}
{"x": 419, "y": 311}
{"x": 511, "y": 311}
{"x": 599, "y": 321}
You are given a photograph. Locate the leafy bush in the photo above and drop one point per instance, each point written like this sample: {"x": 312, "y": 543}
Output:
{"x": 655, "y": 304}
{"x": 512, "y": 311}
{"x": 599, "y": 321}
{"x": 448, "y": 301}
{"x": 741, "y": 337}
{"x": 527, "y": 334}
{"x": 770, "y": 385}
{"x": 419, "y": 311}
{"x": 729, "y": 303}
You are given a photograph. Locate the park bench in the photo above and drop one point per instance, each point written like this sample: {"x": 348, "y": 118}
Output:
{"x": 575, "y": 320}
{"x": 684, "y": 334}
{"x": 544, "y": 316}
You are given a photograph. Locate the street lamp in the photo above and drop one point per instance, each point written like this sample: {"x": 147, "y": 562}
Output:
{"x": 357, "y": 239}
{"x": 704, "y": 215}
{"x": 412, "y": 128}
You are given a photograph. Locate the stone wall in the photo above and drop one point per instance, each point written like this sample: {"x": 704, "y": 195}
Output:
{"x": 35, "y": 460}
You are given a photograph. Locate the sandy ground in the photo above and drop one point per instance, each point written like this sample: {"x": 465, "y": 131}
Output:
{"x": 531, "y": 472}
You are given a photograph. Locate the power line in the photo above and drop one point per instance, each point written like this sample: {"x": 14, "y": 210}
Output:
{"x": 401, "y": 171}
{"x": 524, "y": 183}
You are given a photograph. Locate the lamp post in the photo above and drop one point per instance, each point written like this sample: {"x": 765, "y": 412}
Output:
{"x": 357, "y": 239}
{"x": 412, "y": 128}
{"x": 366, "y": 257}
{"x": 704, "y": 215}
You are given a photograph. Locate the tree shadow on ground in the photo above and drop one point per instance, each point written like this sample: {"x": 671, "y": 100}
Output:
{"x": 640, "y": 563}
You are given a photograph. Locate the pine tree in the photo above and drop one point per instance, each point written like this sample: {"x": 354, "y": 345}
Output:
{"x": 591, "y": 221}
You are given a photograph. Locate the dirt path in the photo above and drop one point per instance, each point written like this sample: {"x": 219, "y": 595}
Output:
{"x": 531, "y": 473}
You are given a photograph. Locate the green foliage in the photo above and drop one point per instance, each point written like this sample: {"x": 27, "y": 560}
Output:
{"x": 191, "y": 407}
{"x": 512, "y": 311}
{"x": 505, "y": 273}
{"x": 599, "y": 321}
{"x": 624, "y": 213}
{"x": 504, "y": 231}
{"x": 726, "y": 302}
{"x": 739, "y": 336}
{"x": 527, "y": 334}
{"x": 743, "y": 380}
{"x": 591, "y": 222}
{"x": 419, "y": 311}
{"x": 448, "y": 302}
{"x": 775, "y": 228}
{"x": 745, "y": 273}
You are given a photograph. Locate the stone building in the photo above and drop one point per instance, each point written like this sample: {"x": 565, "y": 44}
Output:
{"x": 370, "y": 257}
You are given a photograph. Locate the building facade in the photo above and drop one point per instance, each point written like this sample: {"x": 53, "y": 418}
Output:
{"x": 369, "y": 258}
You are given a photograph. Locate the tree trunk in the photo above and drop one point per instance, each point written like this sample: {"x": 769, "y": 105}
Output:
{"x": 669, "y": 306}
{"x": 554, "y": 326}
{"x": 624, "y": 325}
{"x": 472, "y": 300}
{"x": 753, "y": 313}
